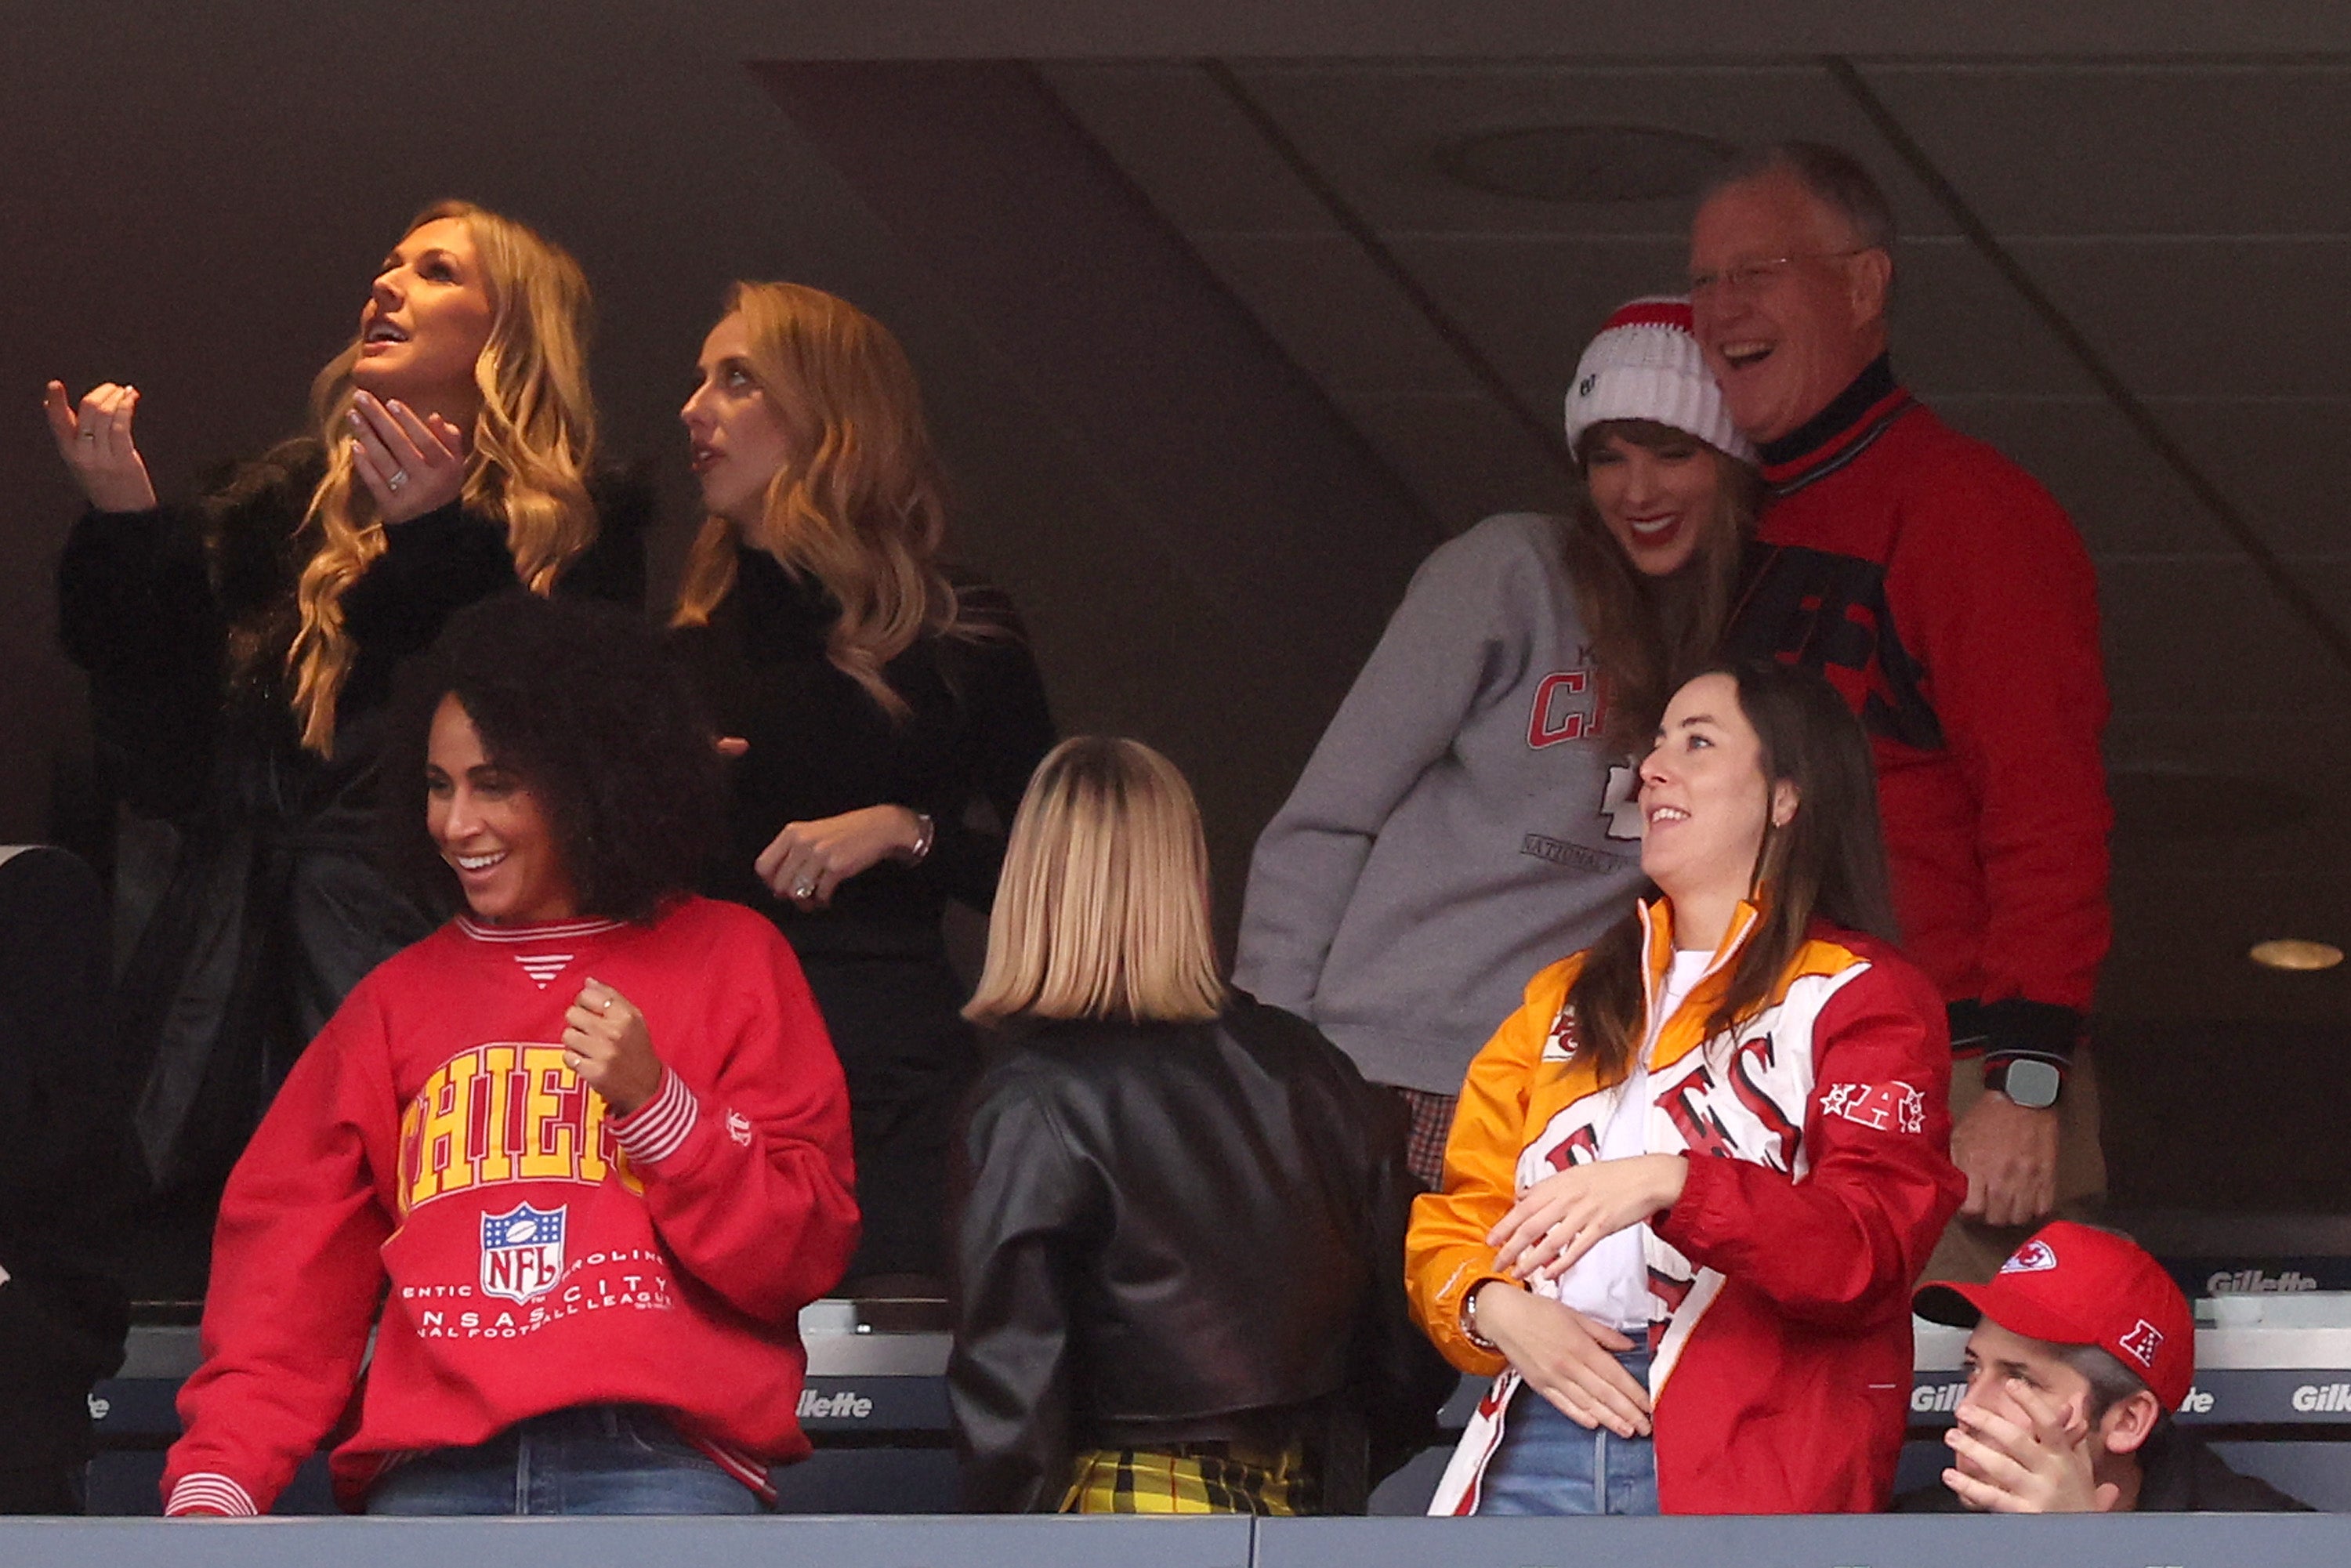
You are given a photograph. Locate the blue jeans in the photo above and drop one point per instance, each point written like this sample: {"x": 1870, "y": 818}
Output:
{"x": 590, "y": 1459}
{"x": 1548, "y": 1465}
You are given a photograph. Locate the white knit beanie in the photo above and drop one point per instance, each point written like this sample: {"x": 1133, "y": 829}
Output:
{"x": 1646, "y": 365}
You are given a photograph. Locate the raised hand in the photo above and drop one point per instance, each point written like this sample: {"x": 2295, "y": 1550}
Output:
{"x": 605, "y": 1040}
{"x": 409, "y": 465}
{"x": 96, "y": 444}
{"x": 2044, "y": 1466}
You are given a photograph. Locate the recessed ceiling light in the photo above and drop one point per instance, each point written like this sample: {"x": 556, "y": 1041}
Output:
{"x": 2293, "y": 953}
{"x": 1583, "y": 162}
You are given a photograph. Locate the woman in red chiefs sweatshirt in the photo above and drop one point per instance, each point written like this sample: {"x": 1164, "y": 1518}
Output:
{"x": 587, "y": 1143}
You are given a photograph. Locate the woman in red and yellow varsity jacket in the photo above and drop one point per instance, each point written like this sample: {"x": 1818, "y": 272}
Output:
{"x": 1694, "y": 1177}
{"x": 587, "y": 1143}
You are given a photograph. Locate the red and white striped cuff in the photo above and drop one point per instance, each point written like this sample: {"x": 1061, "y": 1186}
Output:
{"x": 207, "y": 1493}
{"x": 659, "y": 1128}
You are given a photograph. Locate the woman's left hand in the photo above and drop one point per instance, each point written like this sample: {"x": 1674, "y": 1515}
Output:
{"x": 1563, "y": 1217}
{"x": 809, "y": 860}
{"x": 605, "y": 1040}
{"x": 409, "y": 465}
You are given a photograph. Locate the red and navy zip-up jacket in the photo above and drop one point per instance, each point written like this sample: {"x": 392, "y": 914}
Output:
{"x": 433, "y": 1150}
{"x": 1948, "y": 597}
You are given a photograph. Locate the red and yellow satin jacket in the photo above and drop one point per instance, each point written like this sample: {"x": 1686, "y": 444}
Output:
{"x": 1818, "y": 1133}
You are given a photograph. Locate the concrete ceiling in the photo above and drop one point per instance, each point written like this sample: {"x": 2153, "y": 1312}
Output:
{"x": 191, "y": 198}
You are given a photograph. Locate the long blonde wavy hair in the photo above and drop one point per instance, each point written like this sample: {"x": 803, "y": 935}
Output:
{"x": 860, "y": 508}
{"x": 526, "y": 465}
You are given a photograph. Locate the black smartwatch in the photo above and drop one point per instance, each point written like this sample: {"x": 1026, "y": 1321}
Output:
{"x": 2029, "y": 1082}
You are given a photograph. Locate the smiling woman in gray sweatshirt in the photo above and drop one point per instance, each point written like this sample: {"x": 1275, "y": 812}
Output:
{"x": 1469, "y": 815}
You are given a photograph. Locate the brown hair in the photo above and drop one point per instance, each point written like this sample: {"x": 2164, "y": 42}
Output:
{"x": 1651, "y": 634}
{"x": 526, "y": 465}
{"x": 861, "y": 508}
{"x": 1828, "y": 861}
{"x": 1103, "y": 909}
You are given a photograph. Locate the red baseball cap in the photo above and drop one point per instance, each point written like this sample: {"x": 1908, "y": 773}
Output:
{"x": 2075, "y": 1284}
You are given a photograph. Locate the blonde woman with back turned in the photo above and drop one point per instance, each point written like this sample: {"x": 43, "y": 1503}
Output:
{"x": 879, "y": 701}
{"x": 1180, "y": 1214}
{"x": 240, "y": 647}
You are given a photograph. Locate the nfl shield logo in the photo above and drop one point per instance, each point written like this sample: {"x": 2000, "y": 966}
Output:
{"x": 522, "y": 1251}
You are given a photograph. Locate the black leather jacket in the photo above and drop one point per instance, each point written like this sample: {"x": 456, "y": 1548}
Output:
{"x": 1170, "y": 1233}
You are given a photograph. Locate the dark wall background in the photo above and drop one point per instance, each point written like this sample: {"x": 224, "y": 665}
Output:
{"x": 195, "y": 205}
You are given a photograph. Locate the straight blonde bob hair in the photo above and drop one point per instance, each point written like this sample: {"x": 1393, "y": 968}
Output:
{"x": 1103, "y": 909}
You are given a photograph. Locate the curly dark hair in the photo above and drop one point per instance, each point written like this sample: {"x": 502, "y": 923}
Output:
{"x": 583, "y": 703}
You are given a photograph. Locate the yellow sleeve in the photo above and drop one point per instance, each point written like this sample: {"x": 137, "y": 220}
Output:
{"x": 1446, "y": 1252}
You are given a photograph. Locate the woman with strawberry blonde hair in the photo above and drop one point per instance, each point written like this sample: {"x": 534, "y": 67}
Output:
{"x": 881, "y": 706}
{"x": 241, "y": 646}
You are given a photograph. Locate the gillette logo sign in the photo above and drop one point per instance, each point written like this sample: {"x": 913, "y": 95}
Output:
{"x": 845, "y": 1406}
{"x": 1942, "y": 1399}
{"x": 2253, "y": 1282}
{"x": 2323, "y": 1398}
{"x": 1926, "y": 1399}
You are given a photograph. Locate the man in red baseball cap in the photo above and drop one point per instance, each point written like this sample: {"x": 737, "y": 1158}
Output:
{"x": 2083, "y": 1348}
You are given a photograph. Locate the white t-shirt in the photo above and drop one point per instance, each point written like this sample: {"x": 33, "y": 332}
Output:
{"x": 1610, "y": 1284}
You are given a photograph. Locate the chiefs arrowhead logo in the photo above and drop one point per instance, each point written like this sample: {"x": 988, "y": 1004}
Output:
{"x": 2033, "y": 1257}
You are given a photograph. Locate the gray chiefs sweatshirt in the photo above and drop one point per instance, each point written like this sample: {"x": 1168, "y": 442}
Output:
{"x": 1457, "y": 828}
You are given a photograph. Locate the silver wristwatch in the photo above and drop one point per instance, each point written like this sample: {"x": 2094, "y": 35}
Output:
{"x": 2031, "y": 1082}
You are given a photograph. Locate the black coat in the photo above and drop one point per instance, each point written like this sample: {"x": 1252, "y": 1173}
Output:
{"x": 1171, "y": 1233}
{"x": 821, "y": 746}
{"x": 262, "y": 903}
{"x": 62, "y": 1313}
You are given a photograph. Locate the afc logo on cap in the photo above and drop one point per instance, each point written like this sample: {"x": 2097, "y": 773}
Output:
{"x": 2141, "y": 1344}
{"x": 1583, "y": 388}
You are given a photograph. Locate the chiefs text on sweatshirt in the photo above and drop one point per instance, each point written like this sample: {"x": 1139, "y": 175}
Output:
{"x": 539, "y": 1253}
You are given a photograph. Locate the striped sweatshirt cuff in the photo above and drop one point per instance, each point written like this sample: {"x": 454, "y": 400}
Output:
{"x": 659, "y": 1128}
{"x": 207, "y": 1493}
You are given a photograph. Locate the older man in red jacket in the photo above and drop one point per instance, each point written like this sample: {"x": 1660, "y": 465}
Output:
{"x": 1949, "y": 598}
